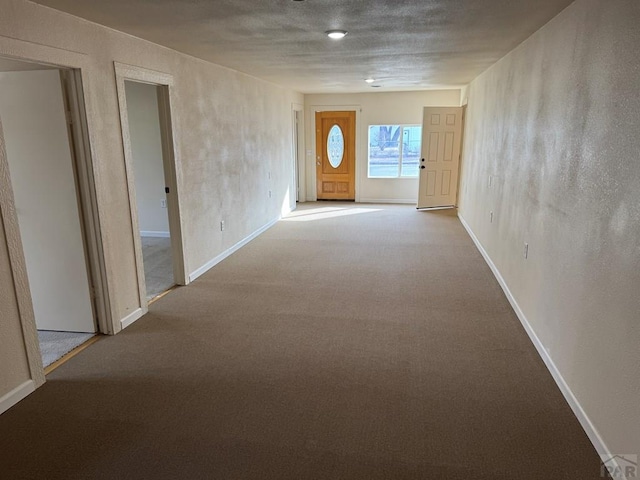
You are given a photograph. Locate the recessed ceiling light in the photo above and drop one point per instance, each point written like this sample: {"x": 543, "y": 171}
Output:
{"x": 336, "y": 34}
{"x": 370, "y": 80}
{"x": 376, "y": 86}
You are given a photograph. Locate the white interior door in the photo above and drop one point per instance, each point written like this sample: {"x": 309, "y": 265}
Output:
{"x": 440, "y": 161}
{"x": 44, "y": 187}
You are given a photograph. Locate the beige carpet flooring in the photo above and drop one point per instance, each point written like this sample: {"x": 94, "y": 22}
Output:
{"x": 348, "y": 342}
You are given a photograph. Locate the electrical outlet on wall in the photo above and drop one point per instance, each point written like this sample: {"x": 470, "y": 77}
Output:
{"x": 526, "y": 251}
{"x": 163, "y": 203}
{"x": 490, "y": 217}
{"x": 221, "y": 225}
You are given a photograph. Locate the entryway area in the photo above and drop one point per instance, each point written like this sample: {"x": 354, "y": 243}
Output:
{"x": 50, "y": 195}
{"x": 336, "y": 155}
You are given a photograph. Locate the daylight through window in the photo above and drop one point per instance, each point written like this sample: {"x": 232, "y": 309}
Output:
{"x": 394, "y": 150}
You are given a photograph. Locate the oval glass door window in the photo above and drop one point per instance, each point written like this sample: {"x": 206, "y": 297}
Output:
{"x": 335, "y": 146}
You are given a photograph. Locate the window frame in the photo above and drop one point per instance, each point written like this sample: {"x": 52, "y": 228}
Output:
{"x": 398, "y": 175}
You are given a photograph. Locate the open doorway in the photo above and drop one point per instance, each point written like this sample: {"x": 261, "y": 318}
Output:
{"x": 52, "y": 195}
{"x": 150, "y": 158}
{"x": 150, "y": 186}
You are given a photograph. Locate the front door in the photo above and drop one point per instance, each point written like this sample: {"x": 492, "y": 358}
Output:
{"x": 336, "y": 155}
{"x": 440, "y": 161}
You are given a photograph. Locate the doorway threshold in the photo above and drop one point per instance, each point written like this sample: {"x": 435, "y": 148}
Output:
{"x": 68, "y": 356}
{"x": 159, "y": 296}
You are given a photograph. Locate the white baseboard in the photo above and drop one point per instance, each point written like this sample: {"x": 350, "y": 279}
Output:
{"x": 432, "y": 209}
{"x": 214, "y": 261}
{"x": 150, "y": 233}
{"x": 410, "y": 201}
{"x": 14, "y": 396}
{"x": 573, "y": 402}
{"x": 132, "y": 317}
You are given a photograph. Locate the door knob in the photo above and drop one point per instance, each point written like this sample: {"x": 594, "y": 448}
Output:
{"x": 318, "y": 163}
{"x": 422, "y": 166}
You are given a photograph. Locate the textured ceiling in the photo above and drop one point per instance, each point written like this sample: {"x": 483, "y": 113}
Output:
{"x": 415, "y": 44}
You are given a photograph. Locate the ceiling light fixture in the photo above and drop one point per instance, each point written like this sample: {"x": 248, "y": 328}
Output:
{"x": 336, "y": 34}
{"x": 370, "y": 80}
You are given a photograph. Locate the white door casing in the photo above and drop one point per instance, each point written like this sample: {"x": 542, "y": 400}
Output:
{"x": 440, "y": 160}
{"x": 172, "y": 173}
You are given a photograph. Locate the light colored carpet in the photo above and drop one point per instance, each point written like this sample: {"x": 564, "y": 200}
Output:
{"x": 346, "y": 342}
{"x": 55, "y": 345}
{"x": 158, "y": 265}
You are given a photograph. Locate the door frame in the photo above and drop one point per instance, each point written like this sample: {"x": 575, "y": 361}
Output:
{"x": 297, "y": 112}
{"x": 461, "y": 164}
{"x": 73, "y": 97}
{"x": 19, "y": 269}
{"x": 171, "y": 160}
{"x": 312, "y": 194}
{"x": 71, "y": 67}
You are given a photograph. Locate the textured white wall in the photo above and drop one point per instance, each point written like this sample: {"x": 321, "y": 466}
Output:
{"x": 231, "y": 131}
{"x": 146, "y": 148}
{"x": 374, "y": 109}
{"x": 556, "y": 123}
